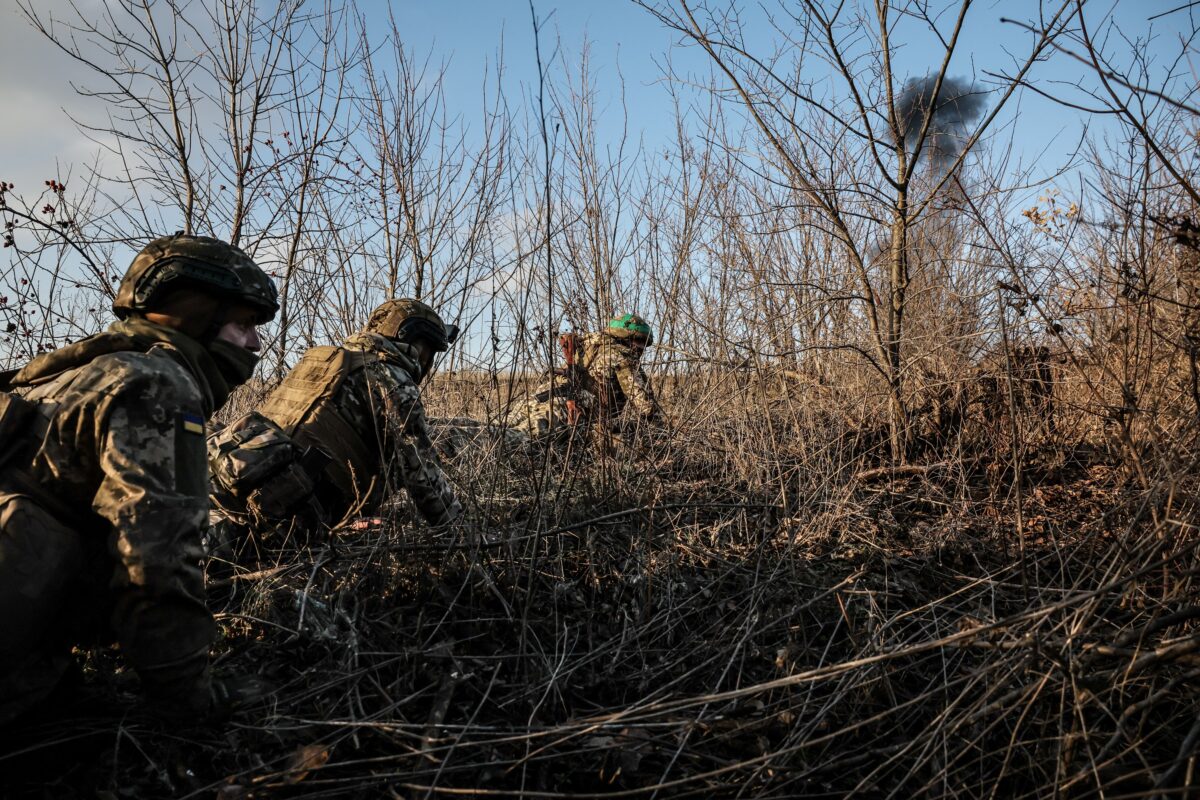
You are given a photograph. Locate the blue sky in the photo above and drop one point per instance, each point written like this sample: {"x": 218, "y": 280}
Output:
{"x": 37, "y": 139}
{"x": 626, "y": 42}
{"x": 628, "y": 50}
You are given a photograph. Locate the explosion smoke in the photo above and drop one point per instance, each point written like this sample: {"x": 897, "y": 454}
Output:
{"x": 958, "y": 104}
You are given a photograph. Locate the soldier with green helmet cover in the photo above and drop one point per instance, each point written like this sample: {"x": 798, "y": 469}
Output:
{"x": 632, "y": 329}
{"x": 343, "y": 432}
{"x": 602, "y": 380}
{"x": 103, "y": 483}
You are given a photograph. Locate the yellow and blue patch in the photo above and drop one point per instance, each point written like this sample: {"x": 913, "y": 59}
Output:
{"x": 192, "y": 423}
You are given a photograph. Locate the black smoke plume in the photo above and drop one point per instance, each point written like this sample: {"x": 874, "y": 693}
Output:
{"x": 958, "y": 104}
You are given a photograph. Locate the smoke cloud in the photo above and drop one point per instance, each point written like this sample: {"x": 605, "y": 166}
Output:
{"x": 958, "y": 104}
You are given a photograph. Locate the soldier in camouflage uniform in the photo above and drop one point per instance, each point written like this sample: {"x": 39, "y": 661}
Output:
{"x": 103, "y": 490}
{"x": 602, "y": 380}
{"x": 343, "y": 431}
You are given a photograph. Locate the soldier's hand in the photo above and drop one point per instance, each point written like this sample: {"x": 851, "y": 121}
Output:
{"x": 365, "y": 524}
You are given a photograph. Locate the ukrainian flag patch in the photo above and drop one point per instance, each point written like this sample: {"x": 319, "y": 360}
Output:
{"x": 193, "y": 423}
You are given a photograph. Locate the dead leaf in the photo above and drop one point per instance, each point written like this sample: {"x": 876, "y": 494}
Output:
{"x": 304, "y": 760}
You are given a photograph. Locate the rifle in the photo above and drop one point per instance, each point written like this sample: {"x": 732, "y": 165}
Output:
{"x": 569, "y": 343}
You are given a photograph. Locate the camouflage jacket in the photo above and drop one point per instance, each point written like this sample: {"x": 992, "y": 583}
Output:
{"x": 360, "y": 404}
{"x": 117, "y": 456}
{"x": 611, "y": 371}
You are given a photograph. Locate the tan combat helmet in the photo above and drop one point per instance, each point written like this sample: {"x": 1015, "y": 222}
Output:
{"x": 201, "y": 263}
{"x": 409, "y": 319}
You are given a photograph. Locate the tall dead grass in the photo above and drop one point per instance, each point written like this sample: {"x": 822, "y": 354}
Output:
{"x": 749, "y": 602}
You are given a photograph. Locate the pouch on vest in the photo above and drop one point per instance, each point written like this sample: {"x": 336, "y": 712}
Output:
{"x": 261, "y": 471}
{"x": 283, "y": 495}
{"x": 248, "y": 451}
{"x": 292, "y": 490}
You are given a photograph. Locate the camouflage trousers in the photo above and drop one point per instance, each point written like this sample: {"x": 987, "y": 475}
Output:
{"x": 556, "y": 417}
{"x": 460, "y": 437}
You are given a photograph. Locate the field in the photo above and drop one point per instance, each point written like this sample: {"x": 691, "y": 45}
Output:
{"x": 745, "y": 604}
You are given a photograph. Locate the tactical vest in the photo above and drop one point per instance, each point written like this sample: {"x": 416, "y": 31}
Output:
{"x": 303, "y": 405}
{"x": 21, "y": 426}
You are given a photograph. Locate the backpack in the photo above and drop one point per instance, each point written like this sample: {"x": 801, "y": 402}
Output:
{"x": 16, "y": 413}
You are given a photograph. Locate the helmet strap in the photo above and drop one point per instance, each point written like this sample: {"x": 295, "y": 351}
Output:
{"x": 219, "y": 317}
{"x": 427, "y": 355}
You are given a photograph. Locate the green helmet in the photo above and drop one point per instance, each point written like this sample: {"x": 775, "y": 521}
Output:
{"x": 632, "y": 327}
{"x": 201, "y": 263}
{"x": 406, "y": 318}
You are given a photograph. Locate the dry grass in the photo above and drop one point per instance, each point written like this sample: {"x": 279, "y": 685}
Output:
{"x": 744, "y": 606}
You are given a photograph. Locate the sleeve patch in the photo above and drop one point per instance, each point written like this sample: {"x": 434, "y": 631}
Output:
{"x": 192, "y": 423}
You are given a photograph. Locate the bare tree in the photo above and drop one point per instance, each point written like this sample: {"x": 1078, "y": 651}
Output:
{"x": 434, "y": 180}
{"x": 870, "y": 153}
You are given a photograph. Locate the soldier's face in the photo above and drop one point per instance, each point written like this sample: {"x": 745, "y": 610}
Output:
{"x": 241, "y": 329}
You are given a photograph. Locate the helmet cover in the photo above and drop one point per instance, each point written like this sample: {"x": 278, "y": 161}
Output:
{"x": 201, "y": 263}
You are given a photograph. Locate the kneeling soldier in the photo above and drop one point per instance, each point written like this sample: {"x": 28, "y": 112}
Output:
{"x": 344, "y": 430}
{"x": 104, "y": 489}
{"x": 603, "y": 378}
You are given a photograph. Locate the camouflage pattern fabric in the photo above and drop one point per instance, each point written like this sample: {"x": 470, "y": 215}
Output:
{"x": 612, "y": 371}
{"x": 258, "y": 474}
{"x": 384, "y": 442}
{"x": 455, "y": 437}
{"x": 100, "y": 526}
{"x": 606, "y": 379}
{"x": 558, "y": 408}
